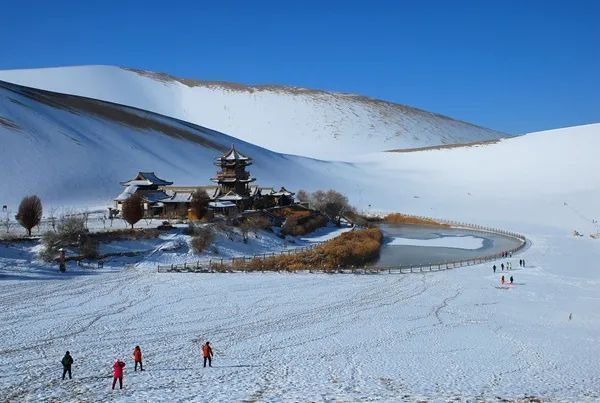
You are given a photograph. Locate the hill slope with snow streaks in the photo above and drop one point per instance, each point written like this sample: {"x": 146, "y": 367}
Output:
{"x": 290, "y": 120}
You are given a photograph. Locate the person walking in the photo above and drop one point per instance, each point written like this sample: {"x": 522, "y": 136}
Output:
{"x": 67, "y": 361}
{"x": 502, "y": 266}
{"x": 118, "y": 373}
{"x": 520, "y": 262}
{"x": 137, "y": 358}
{"x": 511, "y": 280}
{"x": 502, "y": 281}
{"x": 494, "y": 267}
{"x": 523, "y": 262}
{"x": 207, "y": 353}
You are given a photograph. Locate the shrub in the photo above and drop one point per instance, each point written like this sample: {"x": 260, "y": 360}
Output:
{"x": 199, "y": 203}
{"x": 69, "y": 231}
{"x": 89, "y": 248}
{"x": 125, "y": 234}
{"x": 202, "y": 239}
{"x": 302, "y": 225}
{"x": 397, "y": 218}
{"x": 30, "y": 212}
{"x": 353, "y": 248}
{"x": 133, "y": 209}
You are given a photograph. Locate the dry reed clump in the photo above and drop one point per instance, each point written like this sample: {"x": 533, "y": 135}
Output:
{"x": 397, "y": 218}
{"x": 303, "y": 225}
{"x": 353, "y": 248}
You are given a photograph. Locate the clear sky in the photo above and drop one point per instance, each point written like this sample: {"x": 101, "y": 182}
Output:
{"x": 515, "y": 66}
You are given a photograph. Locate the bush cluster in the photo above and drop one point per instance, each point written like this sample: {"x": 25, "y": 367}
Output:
{"x": 202, "y": 238}
{"x": 397, "y": 218}
{"x": 303, "y": 224}
{"x": 126, "y": 234}
{"x": 354, "y": 248}
{"x": 70, "y": 232}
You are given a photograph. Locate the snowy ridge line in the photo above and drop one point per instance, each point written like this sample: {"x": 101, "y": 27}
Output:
{"x": 210, "y": 267}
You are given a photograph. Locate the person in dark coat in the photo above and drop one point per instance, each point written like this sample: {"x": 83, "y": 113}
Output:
{"x": 67, "y": 361}
{"x": 494, "y": 268}
{"x": 207, "y": 353}
{"x": 502, "y": 265}
{"x": 511, "y": 280}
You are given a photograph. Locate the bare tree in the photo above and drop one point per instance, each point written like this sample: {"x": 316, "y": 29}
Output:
{"x": 6, "y": 222}
{"x": 52, "y": 218}
{"x": 331, "y": 203}
{"x": 303, "y": 196}
{"x": 133, "y": 209}
{"x": 30, "y": 212}
{"x": 199, "y": 203}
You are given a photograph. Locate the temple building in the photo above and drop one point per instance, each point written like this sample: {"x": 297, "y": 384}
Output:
{"x": 232, "y": 193}
{"x": 149, "y": 187}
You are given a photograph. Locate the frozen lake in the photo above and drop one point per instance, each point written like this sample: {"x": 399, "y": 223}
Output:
{"x": 408, "y": 245}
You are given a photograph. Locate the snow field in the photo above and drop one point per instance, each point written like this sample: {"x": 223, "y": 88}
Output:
{"x": 306, "y": 336}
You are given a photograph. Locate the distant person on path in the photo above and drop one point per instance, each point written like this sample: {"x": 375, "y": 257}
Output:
{"x": 502, "y": 265}
{"x": 207, "y": 353}
{"x": 523, "y": 262}
{"x": 137, "y": 358}
{"x": 494, "y": 268}
{"x": 511, "y": 280}
{"x": 520, "y": 262}
{"x": 118, "y": 373}
{"x": 502, "y": 281}
{"x": 67, "y": 361}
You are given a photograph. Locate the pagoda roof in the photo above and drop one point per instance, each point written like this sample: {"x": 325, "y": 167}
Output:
{"x": 179, "y": 197}
{"x": 146, "y": 179}
{"x": 233, "y": 180}
{"x": 282, "y": 192}
{"x": 230, "y": 196}
{"x": 147, "y": 196}
{"x": 222, "y": 204}
{"x": 233, "y": 155}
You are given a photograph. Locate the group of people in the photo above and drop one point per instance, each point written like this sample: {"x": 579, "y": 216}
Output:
{"x": 502, "y": 280}
{"x": 118, "y": 366}
{"x": 508, "y": 266}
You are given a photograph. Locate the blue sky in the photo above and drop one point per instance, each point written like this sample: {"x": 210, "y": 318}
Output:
{"x": 515, "y": 66}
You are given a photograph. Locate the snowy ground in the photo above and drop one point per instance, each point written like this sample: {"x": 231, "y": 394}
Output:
{"x": 305, "y": 336}
{"x": 309, "y": 336}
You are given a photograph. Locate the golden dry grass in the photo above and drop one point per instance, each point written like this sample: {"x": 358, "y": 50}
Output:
{"x": 354, "y": 248}
{"x": 398, "y": 218}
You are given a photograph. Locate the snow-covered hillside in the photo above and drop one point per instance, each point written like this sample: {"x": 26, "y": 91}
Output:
{"x": 71, "y": 150}
{"x": 290, "y": 120}
{"x": 74, "y": 151}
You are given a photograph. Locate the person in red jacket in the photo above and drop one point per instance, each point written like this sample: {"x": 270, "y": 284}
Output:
{"x": 118, "y": 373}
{"x": 207, "y": 354}
{"x": 137, "y": 358}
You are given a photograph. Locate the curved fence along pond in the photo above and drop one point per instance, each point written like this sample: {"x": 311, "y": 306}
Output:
{"x": 455, "y": 244}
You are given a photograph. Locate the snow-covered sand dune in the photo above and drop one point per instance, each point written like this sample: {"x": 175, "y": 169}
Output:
{"x": 447, "y": 335}
{"x": 285, "y": 119}
{"x": 74, "y": 151}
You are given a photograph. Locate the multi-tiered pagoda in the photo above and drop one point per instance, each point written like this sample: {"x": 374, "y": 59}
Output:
{"x": 233, "y": 179}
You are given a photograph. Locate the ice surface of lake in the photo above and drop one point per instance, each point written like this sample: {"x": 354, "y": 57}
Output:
{"x": 460, "y": 242}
